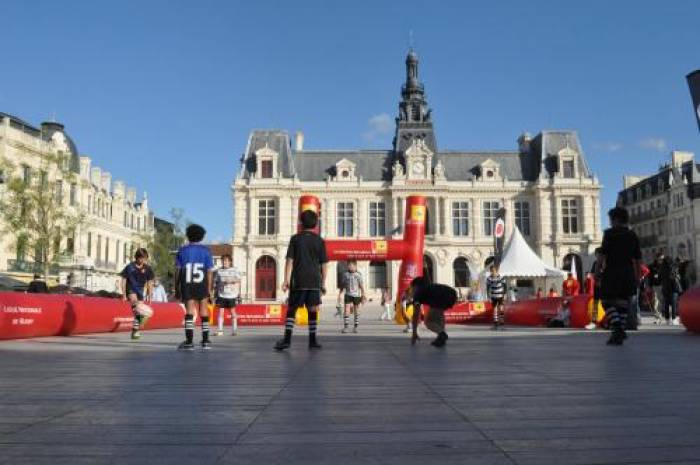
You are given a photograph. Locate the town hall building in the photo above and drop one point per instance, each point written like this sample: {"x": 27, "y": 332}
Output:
{"x": 544, "y": 183}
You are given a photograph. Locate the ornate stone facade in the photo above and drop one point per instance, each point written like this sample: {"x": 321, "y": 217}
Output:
{"x": 545, "y": 185}
{"x": 117, "y": 221}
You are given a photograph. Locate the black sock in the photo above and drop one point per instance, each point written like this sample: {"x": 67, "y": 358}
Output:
{"x": 357, "y": 317}
{"x": 346, "y": 320}
{"x": 289, "y": 325}
{"x": 189, "y": 328}
{"x": 205, "y": 328}
{"x": 313, "y": 326}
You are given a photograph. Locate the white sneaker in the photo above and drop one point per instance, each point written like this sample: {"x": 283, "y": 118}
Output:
{"x": 219, "y": 333}
{"x": 676, "y": 321}
{"x": 590, "y": 326}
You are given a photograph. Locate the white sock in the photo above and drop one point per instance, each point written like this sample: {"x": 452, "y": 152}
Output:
{"x": 221, "y": 319}
{"x": 234, "y": 321}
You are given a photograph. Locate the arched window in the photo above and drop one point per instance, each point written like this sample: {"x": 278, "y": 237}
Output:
{"x": 461, "y": 272}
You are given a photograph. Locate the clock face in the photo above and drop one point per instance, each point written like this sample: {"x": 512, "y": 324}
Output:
{"x": 418, "y": 167}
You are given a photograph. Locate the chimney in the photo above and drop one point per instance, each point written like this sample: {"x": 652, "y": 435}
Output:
{"x": 299, "y": 141}
{"x": 524, "y": 142}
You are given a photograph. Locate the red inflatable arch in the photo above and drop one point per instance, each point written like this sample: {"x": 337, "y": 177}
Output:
{"x": 409, "y": 249}
{"x": 689, "y": 309}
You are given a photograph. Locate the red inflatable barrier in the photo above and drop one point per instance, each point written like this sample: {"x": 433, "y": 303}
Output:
{"x": 689, "y": 309}
{"x": 470, "y": 312}
{"x": 35, "y": 315}
{"x": 257, "y": 314}
{"x": 538, "y": 312}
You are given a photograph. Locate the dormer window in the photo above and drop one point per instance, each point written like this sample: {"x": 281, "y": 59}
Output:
{"x": 345, "y": 170}
{"x": 490, "y": 170}
{"x": 266, "y": 169}
{"x": 567, "y": 162}
{"x": 568, "y": 169}
{"x": 266, "y": 159}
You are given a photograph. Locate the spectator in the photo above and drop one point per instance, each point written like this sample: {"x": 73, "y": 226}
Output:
{"x": 654, "y": 280}
{"x": 37, "y": 285}
{"x": 158, "y": 293}
{"x": 552, "y": 293}
{"x": 570, "y": 287}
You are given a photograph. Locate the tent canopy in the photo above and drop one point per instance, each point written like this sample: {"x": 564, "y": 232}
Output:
{"x": 519, "y": 260}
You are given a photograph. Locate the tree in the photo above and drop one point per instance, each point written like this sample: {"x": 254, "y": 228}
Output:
{"x": 36, "y": 214}
{"x": 163, "y": 244}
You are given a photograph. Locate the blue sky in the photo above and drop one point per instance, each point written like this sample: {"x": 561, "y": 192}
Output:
{"x": 164, "y": 93}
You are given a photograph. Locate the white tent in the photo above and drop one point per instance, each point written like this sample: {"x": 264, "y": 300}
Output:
{"x": 519, "y": 260}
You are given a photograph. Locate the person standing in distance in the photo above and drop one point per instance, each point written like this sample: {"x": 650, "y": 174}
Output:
{"x": 496, "y": 289}
{"x": 227, "y": 287}
{"x": 194, "y": 278}
{"x": 620, "y": 257}
{"x": 305, "y": 278}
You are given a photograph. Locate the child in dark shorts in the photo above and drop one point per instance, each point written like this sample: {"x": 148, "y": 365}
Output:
{"x": 439, "y": 298}
{"x": 194, "y": 278}
{"x": 136, "y": 285}
{"x": 304, "y": 277}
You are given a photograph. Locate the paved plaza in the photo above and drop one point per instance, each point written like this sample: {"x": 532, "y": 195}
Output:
{"x": 521, "y": 396}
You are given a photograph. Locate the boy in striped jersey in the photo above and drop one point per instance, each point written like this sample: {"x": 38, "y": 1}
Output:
{"x": 496, "y": 289}
{"x": 226, "y": 285}
{"x": 304, "y": 277}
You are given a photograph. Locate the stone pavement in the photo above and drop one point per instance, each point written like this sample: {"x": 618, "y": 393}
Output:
{"x": 522, "y": 396}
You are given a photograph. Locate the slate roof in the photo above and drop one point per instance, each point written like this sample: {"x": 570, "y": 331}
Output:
{"x": 375, "y": 165}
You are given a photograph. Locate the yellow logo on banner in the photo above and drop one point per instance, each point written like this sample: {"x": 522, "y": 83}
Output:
{"x": 274, "y": 311}
{"x": 418, "y": 213}
{"x": 478, "y": 307}
{"x": 308, "y": 206}
{"x": 379, "y": 247}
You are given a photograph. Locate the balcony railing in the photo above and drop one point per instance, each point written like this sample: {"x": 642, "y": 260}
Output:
{"x": 24, "y": 266}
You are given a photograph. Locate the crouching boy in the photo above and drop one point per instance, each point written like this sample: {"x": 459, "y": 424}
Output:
{"x": 439, "y": 298}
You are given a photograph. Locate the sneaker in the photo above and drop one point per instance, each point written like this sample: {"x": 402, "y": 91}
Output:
{"x": 440, "y": 340}
{"x": 135, "y": 335}
{"x": 219, "y": 333}
{"x": 676, "y": 321}
{"x": 314, "y": 345}
{"x": 405, "y": 330}
{"x": 282, "y": 345}
{"x": 344, "y": 330}
{"x": 354, "y": 330}
{"x": 495, "y": 326}
{"x": 206, "y": 345}
{"x": 590, "y": 326}
{"x": 186, "y": 346}
{"x": 616, "y": 338}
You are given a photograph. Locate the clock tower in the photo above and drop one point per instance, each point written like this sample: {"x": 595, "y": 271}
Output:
{"x": 414, "y": 142}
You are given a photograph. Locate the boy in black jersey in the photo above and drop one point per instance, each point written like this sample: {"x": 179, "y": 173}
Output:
{"x": 136, "y": 284}
{"x": 305, "y": 277}
{"x": 439, "y": 298}
{"x": 195, "y": 269}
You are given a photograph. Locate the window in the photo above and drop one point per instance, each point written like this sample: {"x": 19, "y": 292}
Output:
{"x": 377, "y": 275}
{"x": 99, "y": 248}
{"x": 70, "y": 244}
{"x": 107, "y": 249}
{"x": 490, "y": 212}
{"x": 460, "y": 218}
{"x": 59, "y": 192}
{"x": 345, "y": 219}
{"x": 26, "y": 174}
{"x": 266, "y": 169}
{"x": 567, "y": 168}
{"x": 116, "y": 253}
{"x": 89, "y": 245}
{"x": 73, "y": 194}
{"x": 21, "y": 251}
{"x": 126, "y": 220}
{"x": 377, "y": 219}
{"x": 43, "y": 179}
{"x": 266, "y": 217}
{"x": 569, "y": 214}
{"x": 461, "y": 272}
{"x": 522, "y": 217}
{"x": 125, "y": 257}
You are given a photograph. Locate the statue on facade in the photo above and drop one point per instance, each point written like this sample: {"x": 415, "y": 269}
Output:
{"x": 397, "y": 169}
{"x": 439, "y": 170}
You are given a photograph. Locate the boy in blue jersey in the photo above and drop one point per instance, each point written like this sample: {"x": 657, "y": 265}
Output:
{"x": 136, "y": 284}
{"x": 194, "y": 280}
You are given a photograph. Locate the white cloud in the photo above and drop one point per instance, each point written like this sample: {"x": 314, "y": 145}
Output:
{"x": 608, "y": 146}
{"x": 654, "y": 143}
{"x": 378, "y": 125}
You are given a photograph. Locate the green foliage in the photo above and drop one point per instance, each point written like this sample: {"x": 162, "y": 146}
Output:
{"x": 35, "y": 211}
{"x": 163, "y": 245}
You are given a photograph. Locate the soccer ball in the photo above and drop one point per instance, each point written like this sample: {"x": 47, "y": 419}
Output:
{"x": 144, "y": 310}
